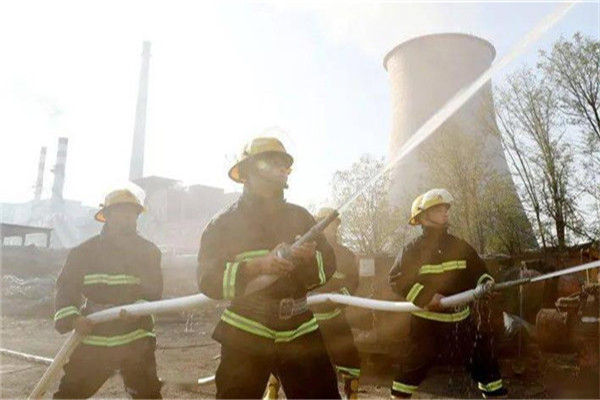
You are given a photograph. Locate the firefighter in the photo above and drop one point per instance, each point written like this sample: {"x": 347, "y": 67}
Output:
{"x": 331, "y": 317}
{"x": 269, "y": 331}
{"x": 434, "y": 265}
{"x": 113, "y": 268}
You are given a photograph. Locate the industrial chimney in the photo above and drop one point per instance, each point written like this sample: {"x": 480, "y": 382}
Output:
{"x": 136, "y": 167}
{"x": 59, "y": 169}
{"x": 39, "y": 183}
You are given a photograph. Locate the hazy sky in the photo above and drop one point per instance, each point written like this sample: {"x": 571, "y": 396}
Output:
{"x": 220, "y": 73}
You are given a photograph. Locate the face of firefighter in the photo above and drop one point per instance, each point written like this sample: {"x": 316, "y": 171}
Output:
{"x": 121, "y": 217}
{"x": 269, "y": 172}
{"x": 436, "y": 216}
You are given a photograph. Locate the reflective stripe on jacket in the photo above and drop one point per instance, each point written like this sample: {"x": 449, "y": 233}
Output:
{"x": 251, "y": 228}
{"x": 437, "y": 262}
{"x": 103, "y": 272}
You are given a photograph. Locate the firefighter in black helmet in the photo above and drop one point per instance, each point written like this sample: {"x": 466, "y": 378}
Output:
{"x": 114, "y": 268}
{"x": 270, "y": 331}
{"x": 434, "y": 265}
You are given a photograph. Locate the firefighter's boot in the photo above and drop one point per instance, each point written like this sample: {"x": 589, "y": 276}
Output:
{"x": 498, "y": 396}
{"x": 272, "y": 392}
{"x": 350, "y": 387}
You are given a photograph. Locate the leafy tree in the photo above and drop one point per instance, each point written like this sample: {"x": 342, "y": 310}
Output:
{"x": 533, "y": 134}
{"x": 370, "y": 225}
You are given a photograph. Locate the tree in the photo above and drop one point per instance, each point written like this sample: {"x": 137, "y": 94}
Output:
{"x": 486, "y": 212}
{"x": 574, "y": 67}
{"x": 370, "y": 225}
{"x": 532, "y": 129}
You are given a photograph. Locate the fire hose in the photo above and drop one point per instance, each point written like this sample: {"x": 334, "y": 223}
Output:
{"x": 259, "y": 283}
{"x": 188, "y": 302}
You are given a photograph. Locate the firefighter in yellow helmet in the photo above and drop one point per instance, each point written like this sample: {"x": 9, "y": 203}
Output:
{"x": 269, "y": 331}
{"x": 114, "y": 268}
{"x": 332, "y": 317}
{"x": 434, "y": 265}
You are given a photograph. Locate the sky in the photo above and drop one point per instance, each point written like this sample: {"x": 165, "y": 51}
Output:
{"x": 220, "y": 74}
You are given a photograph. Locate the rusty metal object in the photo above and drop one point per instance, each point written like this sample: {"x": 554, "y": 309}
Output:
{"x": 568, "y": 285}
{"x": 585, "y": 334}
{"x": 553, "y": 330}
{"x": 533, "y": 294}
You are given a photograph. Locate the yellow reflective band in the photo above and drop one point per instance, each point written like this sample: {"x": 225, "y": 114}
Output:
{"x": 444, "y": 267}
{"x": 414, "y": 292}
{"x": 248, "y": 255}
{"x": 338, "y": 275}
{"x": 229, "y": 280}
{"x": 320, "y": 265}
{"x": 259, "y": 329}
{"x": 119, "y": 340}
{"x": 490, "y": 387}
{"x": 329, "y": 315}
{"x": 65, "y": 312}
{"x": 441, "y": 317}
{"x": 404, "y": 388}
{"x": 110, "y": 279}
{"x": 484, "y": 278}
{"x": 247, "y": 325}
{"x": 354, "y": 372}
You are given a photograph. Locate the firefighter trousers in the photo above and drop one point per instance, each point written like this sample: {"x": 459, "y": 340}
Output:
{"x": 301, "y": 365}
{"x": 339, "y": 342}
{"x": 431, "y": 342}
{"x": 90, "y": 366}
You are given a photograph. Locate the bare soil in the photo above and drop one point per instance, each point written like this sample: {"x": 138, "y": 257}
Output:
{"x": 186, "y": 352}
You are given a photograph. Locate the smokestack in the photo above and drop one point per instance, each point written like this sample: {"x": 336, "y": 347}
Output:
{"x": 59, "y": 169}
{"x": 39, "y": 184}
{"x": 136, "y": 166}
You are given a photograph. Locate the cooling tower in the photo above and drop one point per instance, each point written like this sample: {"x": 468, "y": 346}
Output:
{"x": 425, "y": 73}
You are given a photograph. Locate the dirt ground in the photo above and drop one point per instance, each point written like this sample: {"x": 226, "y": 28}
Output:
{"x": 186, "y": 352}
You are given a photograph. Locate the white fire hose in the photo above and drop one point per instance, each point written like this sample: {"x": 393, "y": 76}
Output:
{"x": 189, "y": 302}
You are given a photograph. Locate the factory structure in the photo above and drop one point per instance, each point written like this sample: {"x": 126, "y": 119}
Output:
{"x": 176, "y": 215}
{"x": 424, "y": 72}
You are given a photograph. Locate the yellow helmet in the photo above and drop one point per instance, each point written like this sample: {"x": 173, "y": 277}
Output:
{"x": 324, "y": 213}
{"x": 427, "y": 200}
{"x": 258, "y": 146}
{"x": 119, "y": 196}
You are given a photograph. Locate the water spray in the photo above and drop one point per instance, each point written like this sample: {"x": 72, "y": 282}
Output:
{"x": 420, "y": 135}
{"x": 426, "y": 130}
